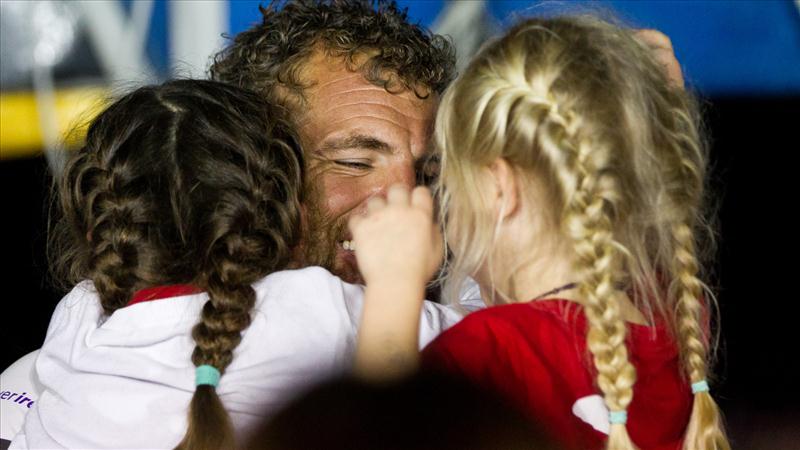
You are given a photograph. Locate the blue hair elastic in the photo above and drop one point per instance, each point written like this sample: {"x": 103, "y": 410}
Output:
{"x": 700, "y": 386}
{"x": 206, "y": 374}
{"x": 618, "y": 417}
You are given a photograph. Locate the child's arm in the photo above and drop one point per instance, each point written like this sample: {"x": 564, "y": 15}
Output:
{"x": 398, "y": 248}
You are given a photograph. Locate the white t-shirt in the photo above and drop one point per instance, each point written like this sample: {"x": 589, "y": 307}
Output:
{"x": 19, "y": 391}
{"x": 126, "y": 381}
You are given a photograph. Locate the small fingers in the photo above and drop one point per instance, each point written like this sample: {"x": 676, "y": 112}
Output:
{"x": 421, "y": 198}
{"x": 353, "y": 223}
{"x": 375, "y": 204}
{"x": 397, "y": 195}
{"x": 654, "y": 39}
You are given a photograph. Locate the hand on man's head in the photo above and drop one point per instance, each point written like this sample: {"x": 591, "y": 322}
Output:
{"x": 661, "y": 46}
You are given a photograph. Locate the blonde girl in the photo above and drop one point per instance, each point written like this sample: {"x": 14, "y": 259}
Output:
{"x": 572, "y": 190}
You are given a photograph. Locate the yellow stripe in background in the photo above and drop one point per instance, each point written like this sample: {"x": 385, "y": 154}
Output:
{"x": 20, "y": 131}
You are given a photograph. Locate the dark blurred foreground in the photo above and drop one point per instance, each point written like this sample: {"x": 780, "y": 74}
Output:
{"x": 424, "y": 412}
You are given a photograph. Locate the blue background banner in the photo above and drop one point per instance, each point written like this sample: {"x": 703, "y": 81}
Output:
{"x": 725, "y": 47}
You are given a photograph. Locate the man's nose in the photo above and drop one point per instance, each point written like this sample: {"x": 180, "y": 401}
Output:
{"x": 403, "y": 175}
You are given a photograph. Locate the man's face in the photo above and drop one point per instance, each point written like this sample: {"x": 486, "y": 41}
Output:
{"x": 358, "y": 140}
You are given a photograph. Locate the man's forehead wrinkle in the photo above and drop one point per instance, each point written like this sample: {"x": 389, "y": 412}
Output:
{"x": 368, "y": 92}
{"x": 402, "y": 96}
{"x": 325, "y": 86}
{"x": 367, "y": 116}
{"x": 356, "y": 141}
{"x": 335, "y": 106}
{"x": 414, "y": 102}
{"x": 336, "y": 69}
{"x": 335, "y": 80}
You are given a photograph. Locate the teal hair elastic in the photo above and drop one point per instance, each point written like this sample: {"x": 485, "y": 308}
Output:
{"x": 206, "y": 374}
{"x": 700, "y": 386}
{"x": 618, "y": 417}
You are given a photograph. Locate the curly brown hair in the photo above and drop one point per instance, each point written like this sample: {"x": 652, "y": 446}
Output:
{"x": 190, "y": 182}
{"x": 268, "y": 58}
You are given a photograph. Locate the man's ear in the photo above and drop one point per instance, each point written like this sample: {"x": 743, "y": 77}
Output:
{"x": 506, "y": 184}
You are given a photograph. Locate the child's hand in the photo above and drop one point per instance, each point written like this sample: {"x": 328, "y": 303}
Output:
{"x": 397, "y": 241}
{"x": 398, "y": 249}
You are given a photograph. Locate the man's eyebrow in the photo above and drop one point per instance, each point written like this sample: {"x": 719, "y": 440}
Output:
{"x": 356, "y": 141}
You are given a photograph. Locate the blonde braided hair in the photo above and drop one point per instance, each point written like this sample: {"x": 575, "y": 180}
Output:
{"x": 580, "y": 106}
{"x": 587, "y": 220}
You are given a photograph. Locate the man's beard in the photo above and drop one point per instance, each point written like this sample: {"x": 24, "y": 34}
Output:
{"x": 321, "y": 236}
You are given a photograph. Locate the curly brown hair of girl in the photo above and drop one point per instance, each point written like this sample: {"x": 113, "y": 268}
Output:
{"x": 189, "y": 182}
{"x": 269, "y": 57}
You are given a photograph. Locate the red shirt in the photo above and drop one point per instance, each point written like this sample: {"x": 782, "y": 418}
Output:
{"x": 534, "y": 354}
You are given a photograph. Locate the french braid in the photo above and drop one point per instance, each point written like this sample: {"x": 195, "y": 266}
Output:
{"x": 188, "y": 182}
{"x": 588, "y": 222}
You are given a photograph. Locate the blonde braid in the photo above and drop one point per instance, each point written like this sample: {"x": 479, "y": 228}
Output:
{"x": 588, "y": 222}
{"x": 689, "y": 310}
{"x": 530, "y": 105}
{"x": 705, "y": 430}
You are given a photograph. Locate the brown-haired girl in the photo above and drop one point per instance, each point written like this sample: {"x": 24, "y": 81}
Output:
{"x": 572, "y": 190}
{"x": 174, "y": 216}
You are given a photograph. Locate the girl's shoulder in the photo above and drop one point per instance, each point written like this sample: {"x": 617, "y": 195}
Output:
{"x": 302, "y": 331}
{"x": 310, "y": 285}
{"x": 79, "y": 304}
{"x": 523, "y": 321}
{"x": 552, "y": 326}
{"x": 82, "y": 294}
{"x": 535, "y": 333}
{"x": 307, "y": 276}
{"x": 311, "y": 296}
{"x": 529, "y": 352}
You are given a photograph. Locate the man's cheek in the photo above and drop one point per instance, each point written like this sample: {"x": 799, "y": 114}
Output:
{"x": 342, "y": 196}
{"x": 324, "y": 185}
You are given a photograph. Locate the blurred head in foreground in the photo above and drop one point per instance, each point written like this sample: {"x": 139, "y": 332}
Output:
{"x": 425, "y": 411}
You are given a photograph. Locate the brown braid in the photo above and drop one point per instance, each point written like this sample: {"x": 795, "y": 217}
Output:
{"x": 188, "y": 182}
